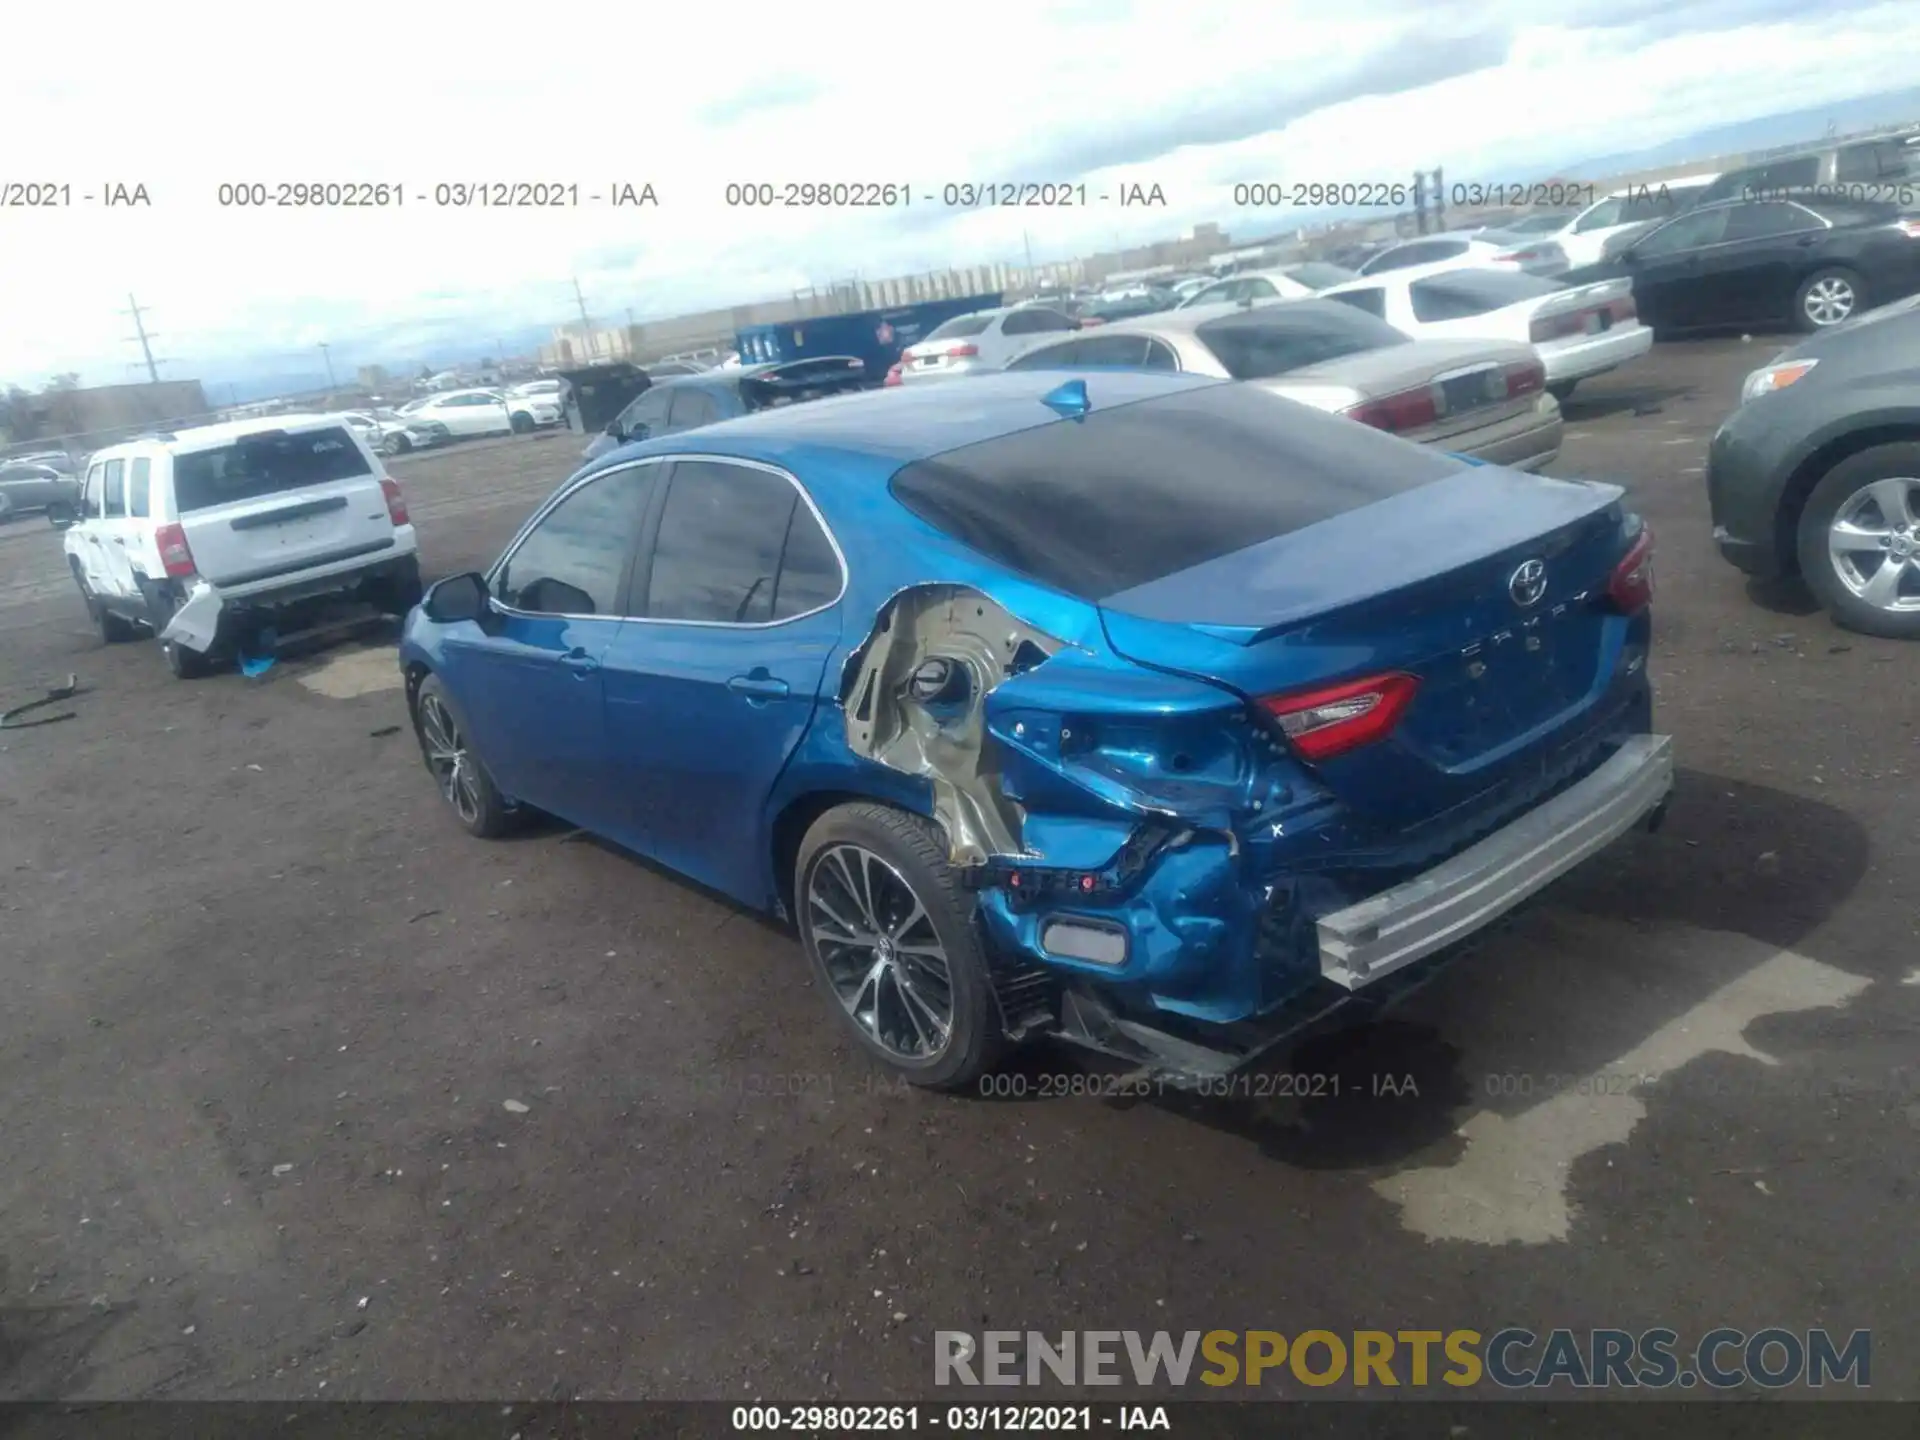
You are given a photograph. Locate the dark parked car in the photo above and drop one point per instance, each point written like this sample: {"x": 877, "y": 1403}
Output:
{"x": 684, "y": 402}
{"x": 1886, "y": 168}
{"x": 1152, "y": 712}
{"x": 1808, "y": 263}
{"x": 1818, "y": 472}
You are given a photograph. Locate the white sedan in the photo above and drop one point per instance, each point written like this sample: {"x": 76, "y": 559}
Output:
{"x": 485, "y": 412}
{"x": 1258, "y": 287}
{"x": 1580, "y": 330}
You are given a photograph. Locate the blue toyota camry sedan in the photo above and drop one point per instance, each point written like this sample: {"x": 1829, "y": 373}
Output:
{"x": 1155, "y": 713}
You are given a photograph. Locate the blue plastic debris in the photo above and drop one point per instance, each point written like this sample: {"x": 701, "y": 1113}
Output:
{"x": 252, "y": 665}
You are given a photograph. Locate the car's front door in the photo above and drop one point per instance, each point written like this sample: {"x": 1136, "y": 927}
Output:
{"x": 88, "y": 539}
{"x": 712, "y": 688}
{"x": 529, "y": 681}
{"x": 1753, "y": 272}
{"x": 119, "y": 539}
{"x": 1667, "y": 267}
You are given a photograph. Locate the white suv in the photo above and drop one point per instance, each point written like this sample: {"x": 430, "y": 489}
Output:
{"x": 202, "y": 535}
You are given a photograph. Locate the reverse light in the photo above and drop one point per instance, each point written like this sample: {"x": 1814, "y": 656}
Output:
{"x": 396, "y": 503}
{"x": 1777, "y": 376}
{"x": 1631, "y": 589}
{"x": 1330, "y": 720}
{"x": 175, "y": 555}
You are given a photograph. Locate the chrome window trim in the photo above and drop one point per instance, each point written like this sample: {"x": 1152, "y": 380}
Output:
{"x": 562, "y": 496}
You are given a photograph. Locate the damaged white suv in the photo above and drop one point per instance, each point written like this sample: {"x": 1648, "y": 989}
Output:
{"x": 204, "y": 535}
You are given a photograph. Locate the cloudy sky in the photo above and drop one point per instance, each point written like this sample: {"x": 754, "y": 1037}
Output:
{"x": 1189, "y": 95}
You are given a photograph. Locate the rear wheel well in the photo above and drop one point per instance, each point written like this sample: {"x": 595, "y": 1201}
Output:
{"x": 1793, "y": 496}
{"x": 790, "y": 828}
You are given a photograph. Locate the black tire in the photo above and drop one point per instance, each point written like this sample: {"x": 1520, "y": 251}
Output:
{"x": 112, "y": 629}
{"x": 1817, "y": 566}
{"x": 395, "y": 444}
{"x": 1828, "y": 275}
{"x": 915, "y": 852}
{"x": 522, "y": 423}
{"x": 478, "y": 809}
{"x": 1561, "y": 391}
{"x": 398, "y": 593}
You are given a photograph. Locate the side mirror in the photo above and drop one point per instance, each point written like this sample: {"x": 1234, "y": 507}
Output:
{"x": 60, "y": 515}
{"x": 456, "y": 598}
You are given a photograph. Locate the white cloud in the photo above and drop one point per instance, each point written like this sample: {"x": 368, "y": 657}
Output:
{"x": 1190, "y": 94}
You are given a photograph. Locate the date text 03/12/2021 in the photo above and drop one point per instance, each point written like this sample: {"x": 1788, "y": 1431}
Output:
{"x": 957, "y": 1419}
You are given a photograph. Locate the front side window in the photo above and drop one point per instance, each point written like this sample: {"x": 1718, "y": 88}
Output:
{"x": 573, "y": 561}
{"x": 90, "y": 497}
{"x": 116, "y": 488}
{"x": 1770, "y": 218}
{"x": 1689, "y": 232}
{"x": 1607, "y": 213}
{"x": 690, "y": 408}
{"x": 646, "y": 415}
{"x": 723, "y": 535}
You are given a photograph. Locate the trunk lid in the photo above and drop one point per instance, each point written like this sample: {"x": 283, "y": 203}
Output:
{"x": 1426, "y": 583}
{"x": 1467, "y": 381}
{"x": 277, "y": 502}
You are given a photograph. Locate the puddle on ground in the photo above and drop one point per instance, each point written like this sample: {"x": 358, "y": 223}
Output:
{"x": 355, "y": 672}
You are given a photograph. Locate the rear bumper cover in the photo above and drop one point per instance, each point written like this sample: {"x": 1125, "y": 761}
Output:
{"x": 1593, "y": 354}
{"x": 1526, "y": 442}
{"x": 1369, "y": 941}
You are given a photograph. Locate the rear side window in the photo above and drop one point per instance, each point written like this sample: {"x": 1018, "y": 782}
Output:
{"x": 962, "y": 326}
{"x": 691, "y": 407}
{"x": 1097, "y": 506}
{"x": 1465, "y": 293}
{"x": 1318, "y": 275}
{"x": 265, "y": 464}
{"x": 138, "y": 486}
{"x": 723, "y": 535}
{"x": 1259, "y": 344}
{"x": 1048, "y": 357}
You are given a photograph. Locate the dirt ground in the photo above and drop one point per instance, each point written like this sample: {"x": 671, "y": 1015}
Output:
{"x": 264, "y": 1011}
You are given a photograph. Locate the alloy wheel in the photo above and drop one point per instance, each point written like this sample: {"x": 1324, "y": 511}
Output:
{"x": 1829, "y": 300}
{"x": 449, "y": 759}
{"x": 880, "y": 951}
{"x": 1874, "y": 544}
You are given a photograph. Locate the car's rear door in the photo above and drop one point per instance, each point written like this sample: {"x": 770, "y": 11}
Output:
{"x": 712, "y": 687}
{"x": 1754, "y": 270}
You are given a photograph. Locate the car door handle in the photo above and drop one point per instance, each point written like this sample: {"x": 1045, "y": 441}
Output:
{"x": 759, "y": 685}
{"x": 580, "y": 662}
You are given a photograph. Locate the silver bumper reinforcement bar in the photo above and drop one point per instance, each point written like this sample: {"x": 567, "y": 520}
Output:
{"x": 1362, "y": 943}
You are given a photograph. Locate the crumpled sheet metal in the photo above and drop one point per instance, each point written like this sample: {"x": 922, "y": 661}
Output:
{"x": 945, "y": 743}
{"x": 195, "y": 623}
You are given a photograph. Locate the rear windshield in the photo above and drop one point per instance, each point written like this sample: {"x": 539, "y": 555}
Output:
{"x": 961, "y": 327}
{"x": 1095, "y": 507}
{"x": 1271, "y": 340}
{"x": 1461, "y": 293}
{"x": 1318, "y": 275}
{"x": 265, "y": 464}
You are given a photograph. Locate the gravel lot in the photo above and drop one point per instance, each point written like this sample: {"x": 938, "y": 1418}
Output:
{"x": 264, "y": 1009}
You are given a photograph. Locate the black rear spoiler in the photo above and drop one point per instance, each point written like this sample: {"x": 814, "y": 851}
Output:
{"x": 805, "y": 379}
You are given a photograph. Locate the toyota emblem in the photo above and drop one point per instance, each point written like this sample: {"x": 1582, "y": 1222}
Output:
{"x": 1527, "y": 584}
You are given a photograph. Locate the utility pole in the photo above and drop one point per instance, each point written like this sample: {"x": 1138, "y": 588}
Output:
{"x": 133, "y": 309}
{"x": 1027, "y": 240}
{"x": 586, "y": 325}
{"x": 326, "y": 353}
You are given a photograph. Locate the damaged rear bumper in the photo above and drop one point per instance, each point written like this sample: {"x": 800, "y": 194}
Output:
{"x": 1368, "y": 941}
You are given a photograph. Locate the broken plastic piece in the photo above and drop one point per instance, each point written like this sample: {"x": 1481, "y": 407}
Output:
{"x": 195, "y": 623}
{"x": 10, "y": 719}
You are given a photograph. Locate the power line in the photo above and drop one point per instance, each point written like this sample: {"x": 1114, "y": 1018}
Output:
{"x": 153, "y": 371}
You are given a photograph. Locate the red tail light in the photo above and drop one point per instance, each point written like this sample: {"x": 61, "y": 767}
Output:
{"x": 1631, "y": 589}
{"x": 174, "y": 552}
{"x": 1624, "y": 310}
{"x": 1529, "y": 377}
{"x": 1409, "y": 410}
{"x": 1909, "y": 228}
{"x": 961, "y": 352}
{"x": 1554, "y": 326}
{"x": 396, "y": 505}
{"x": 893, "y": 375}
{"x": 1089, "y": 321}
{"x": 1330, "y": 720}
